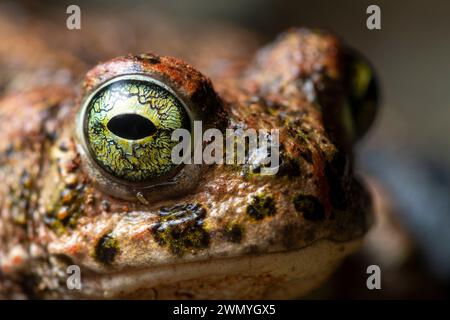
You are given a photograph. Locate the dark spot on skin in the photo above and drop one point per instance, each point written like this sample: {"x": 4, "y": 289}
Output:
{"x": 251, "y": 249}
{"x": 63, "y": 147}
{"x": 233, "y": 233}
{"x": 310, "y": 206}
{"x": 200, "y": 94}
{"x": 272, "y": 108}
{"x": 261, "y": 206}
{"x": 51, "y": 136}
{"x": 106, "y": 249}
{"x": 310, "y": 235}
{"x": 289, "y": 166}
{"x": 66, "y": 210}
{"x": 73, "y": 165}
{"x": 306, "y": 132}
{"x": 307, "y": 155}
{"x": 106, "y": 206}
{"x": 212, "y": 106}
{"x": 181, "y": 228}
{"x": 20, "y": 202}
{"x": 150, "y": 58}
{"x": 67, "y": 196}
{"x": 256, "y": 170}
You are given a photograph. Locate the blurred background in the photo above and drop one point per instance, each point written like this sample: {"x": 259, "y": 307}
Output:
{"x": 406, "y": 155}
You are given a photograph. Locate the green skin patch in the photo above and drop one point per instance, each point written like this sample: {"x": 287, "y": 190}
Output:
{"x": 181, "y": 228}
{"x": 147, "y": 154}
{"x": 309, "y": 206}
{"x": 261, "y": 206}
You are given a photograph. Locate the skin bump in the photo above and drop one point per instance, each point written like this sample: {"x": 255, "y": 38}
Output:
{"x": 334, "y": 172}
{"x": 289, "y": 166}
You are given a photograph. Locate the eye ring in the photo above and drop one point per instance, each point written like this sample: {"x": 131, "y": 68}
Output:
{"x": 82, "y": 128}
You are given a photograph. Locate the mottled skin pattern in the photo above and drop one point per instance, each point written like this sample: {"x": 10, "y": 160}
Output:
{"x": 54, "y": 213}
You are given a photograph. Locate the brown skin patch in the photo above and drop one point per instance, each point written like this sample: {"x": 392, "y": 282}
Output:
{"x": 184, "y": 78}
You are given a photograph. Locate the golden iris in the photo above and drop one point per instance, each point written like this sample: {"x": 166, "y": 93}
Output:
{"x": 129, "y": 124}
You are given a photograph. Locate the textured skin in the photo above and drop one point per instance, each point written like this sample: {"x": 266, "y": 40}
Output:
{"x": 53, "y": 213}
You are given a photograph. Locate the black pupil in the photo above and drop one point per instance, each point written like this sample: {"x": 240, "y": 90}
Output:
{"x": 131, "y": 126}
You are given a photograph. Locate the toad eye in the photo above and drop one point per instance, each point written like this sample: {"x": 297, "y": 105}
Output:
{"x": 128, "y": 123}
{"x": 131, "y": 107}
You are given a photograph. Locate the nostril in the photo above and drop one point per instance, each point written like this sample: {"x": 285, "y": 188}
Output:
{"x": 131, "y": 126}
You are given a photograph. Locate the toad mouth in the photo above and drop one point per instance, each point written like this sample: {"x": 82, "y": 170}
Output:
{"x": 303, "y": 267}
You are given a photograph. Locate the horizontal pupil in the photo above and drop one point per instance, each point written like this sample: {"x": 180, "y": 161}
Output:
{"x": 131, "y": 126}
